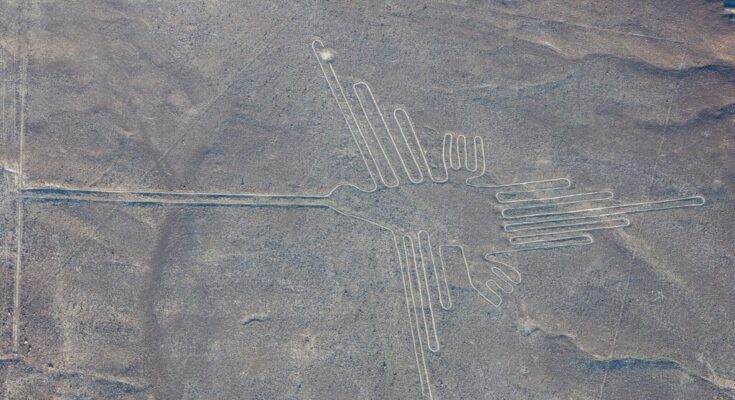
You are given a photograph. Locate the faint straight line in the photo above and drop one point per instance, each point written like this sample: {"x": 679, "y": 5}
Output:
{"x": 572, "y": 24}
{"x": 230, "y": 81}
{"x": 3, "y": 140}
{"x": 635, "y": 246}
{"x": 210, "y": 103}
{"x": 16, "y": 288}
{"x": 165, "y": 154}
{"x": 3, "y": 95}
{"x": 21, "y": 134}
{"x": 640, "y": 35}
{"x": 23, "y": 72}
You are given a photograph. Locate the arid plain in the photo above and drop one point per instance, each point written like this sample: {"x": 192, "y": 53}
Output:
{"x": 367, "y": 200}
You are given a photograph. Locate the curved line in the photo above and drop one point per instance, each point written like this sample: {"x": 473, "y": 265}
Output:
{"x": 375, "y": 134}
{"x": 544, "y": 244}
{"x": 602, "y": 195}
{"x": 421, "y": 150}
{"x": 421, "y": 296}
{"x": 698, "y": 201}
{"x": 566, "y": 183}
{"x": 344, "y": 115}
{"x": 616, "y": 223}
{"x": 408, "y": 145}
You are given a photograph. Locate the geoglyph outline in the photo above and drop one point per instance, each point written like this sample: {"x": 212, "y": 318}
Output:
{"x": 549, "y": 229}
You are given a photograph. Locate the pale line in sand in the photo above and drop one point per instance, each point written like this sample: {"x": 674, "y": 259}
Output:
{"x": 555, "y": 224}
{"x": 555, "y": 200}
{"x": 428, "y": 249}
{"x": 357, "y": 135}
{"x": 3, "y": 140}
{"x": 635, "y": 247}
{"x": 16, "y": 289}
{"x": 3, "y": 111}
{"x": 485, "y": 290}
{"x": 410, "y": 300}
{"x": 532, "y": 220}
{"x": 430, "y": 324}
{"x": 410, "y": 296}
{"x": 569, "y": 241}
{"x": 454, "y": 152}
{"x": 19, "y": 186}
{"x": 166, "y": 153}
{"x": 417, "y": 142}
{"x": 615, "y": 224}
{"x": 400, "y": 114}
{"x": 576, "y": 25}
{"x": 417, "y": 349}
{"x": 631, "y": 208}
{"x": 370, "y": 125}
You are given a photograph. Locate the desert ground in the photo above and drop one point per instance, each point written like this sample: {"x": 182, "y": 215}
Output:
{"x": 367, "y": 200}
